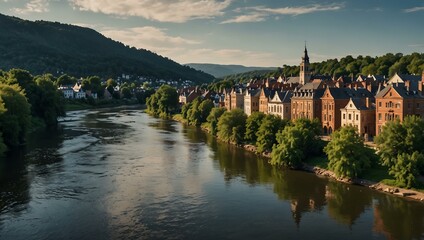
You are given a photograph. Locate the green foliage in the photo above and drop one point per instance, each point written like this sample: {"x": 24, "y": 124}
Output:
{"x": 48, "y": 46}
{"x": 3, "y": 147}
{"x": 193, "y": 114}
{"x": 126, "y": 92}
{"x": 405, "y": 170}
{"x": 400, "y": 146}
{"x": 267, "y": 131}
{"x": 205, "y": 109}
{"x": 15, "y": 121}
{"x": 296, "y": 142}
{"x": 387, "y": 65}
{"x": 213, "y": 119}
{"x": 164, "y": 102}
{"x": 66, "y": 80}
{"x": 347, "y": 154}
{"x": 46, "y": 101}
{"x": 253, "y": 123}
{"x": 231, "y": 126}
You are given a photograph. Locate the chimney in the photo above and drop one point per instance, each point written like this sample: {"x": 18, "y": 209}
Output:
{"x": 369, "y": 87}
{"x": 367, "y": 102}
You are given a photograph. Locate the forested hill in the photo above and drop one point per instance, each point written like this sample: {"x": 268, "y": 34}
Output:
{"x": 386, "y": 65}
{"x": 52, "y": 47}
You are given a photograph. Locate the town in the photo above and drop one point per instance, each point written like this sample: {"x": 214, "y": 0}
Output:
{"x": 365, "y": 102}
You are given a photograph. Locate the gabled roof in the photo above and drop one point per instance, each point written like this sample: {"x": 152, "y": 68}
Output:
{"x": 341, "y": 93}
{"x": 360, "y": 104}
{"x": 293, "y": 79}
{"x": 401, "y": 90}
{"x": 282, "y": 96}
{"x": 312, "y": 85}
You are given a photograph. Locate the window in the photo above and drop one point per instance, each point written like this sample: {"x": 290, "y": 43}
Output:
{"x": 379, "y": 104}
{"x": 350, "y": 105}
{"x": 344, "y": 115}
{"x": 357, "y": 117}
{"x": 350, "y": 116}
{"x": 325, "y": 117}
{"x": 329, "y": 117}
{"x": 379, "y": 116}
{"x": 418, "y": 105}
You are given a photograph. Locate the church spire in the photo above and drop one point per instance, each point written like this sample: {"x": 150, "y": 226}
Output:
{"x": 305, "y": 57}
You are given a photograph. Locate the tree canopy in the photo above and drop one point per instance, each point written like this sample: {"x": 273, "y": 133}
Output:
{"x": 347, "y": 154}
{"x": 232, "y": 126}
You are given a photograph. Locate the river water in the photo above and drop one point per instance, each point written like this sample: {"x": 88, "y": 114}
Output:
{"x": 121, "y": 174}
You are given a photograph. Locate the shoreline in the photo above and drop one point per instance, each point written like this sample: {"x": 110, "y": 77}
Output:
{"x": 408, "y": 194}
{"x": 377, "y": 186}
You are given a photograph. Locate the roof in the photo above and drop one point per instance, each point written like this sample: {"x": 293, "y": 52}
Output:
{"x": 341, "y": 93}
{"x": 401, "y": 90}
{"x": 283, "y": 96}
{"x": 360, "y": 104}
{"x": 293, "y": 79}
{"x": 312, "y": 85}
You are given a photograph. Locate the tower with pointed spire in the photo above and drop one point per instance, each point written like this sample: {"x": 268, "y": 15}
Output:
{"x": 305, "y": 73}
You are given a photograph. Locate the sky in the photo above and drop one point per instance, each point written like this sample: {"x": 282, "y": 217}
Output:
{"x": 266, "y": 33}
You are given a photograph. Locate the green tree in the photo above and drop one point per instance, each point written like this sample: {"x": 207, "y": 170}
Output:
{"x": 297, "y": 142}
{"x": 205, "y": 108}
{"x": 213, "y": 119}
{"x": 163, "y": 102}
{"x": 400, "y": 145}
{"x": 347, "y": 154}
{"x": 193, "y": 114}
{"x": 253, "y": 123}
{"x": 126, "y": 92}
{"x": 15, "y": 122}
{"x": 231, "y": 126}
{"x": 266, "y": 133}
{"x": 184, "y": 110}
{"x": 47, "y": 101}
{"x": 65, "y": 80}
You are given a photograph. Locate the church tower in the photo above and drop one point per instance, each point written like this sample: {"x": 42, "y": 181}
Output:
{"x": 305, "y": 74}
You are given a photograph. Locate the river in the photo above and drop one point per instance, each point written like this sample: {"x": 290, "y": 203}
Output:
{"x": 121, "y": 174}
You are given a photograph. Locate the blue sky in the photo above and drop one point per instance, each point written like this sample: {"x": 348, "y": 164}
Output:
{"x": 247, "y": 32}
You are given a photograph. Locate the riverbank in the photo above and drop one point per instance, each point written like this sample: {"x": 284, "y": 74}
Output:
{"x": 319, "y": 169}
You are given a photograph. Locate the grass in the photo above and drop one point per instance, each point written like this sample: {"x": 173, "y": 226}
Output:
{"x": 378, "y": 174}
{"x": 77, "y": 106}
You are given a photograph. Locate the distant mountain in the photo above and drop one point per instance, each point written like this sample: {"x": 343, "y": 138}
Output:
{"x": 219, "y": 71}
{"x": 52, "y": 47}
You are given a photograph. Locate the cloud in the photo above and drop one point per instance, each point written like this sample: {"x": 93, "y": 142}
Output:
{"x": 259, "y": 13}
{"x": 230, "y": 56}
{"x": 256, "y": 17}
{"x": 294, "y": 11}
{"x": 33, "y": 6}
{"x": 147, "y": 37}
{"x": 414, "y": 9}
{"x": 177, "y": 11}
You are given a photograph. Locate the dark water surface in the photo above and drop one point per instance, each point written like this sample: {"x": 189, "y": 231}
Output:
{"x": 124, "y": 175}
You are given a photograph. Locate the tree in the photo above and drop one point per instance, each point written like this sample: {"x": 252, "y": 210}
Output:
{"x": 253, "y": 123}
{"x": 126, "y": 92}
{"x": 193, "y": 114}
{"x": 213, "y": 119}
{"x": 267, "y": 131}
{"x": 184, "y": 110}
{"x": 297, "y": 142}
{"x": 47, "y": 101}
{"x": 231, "y": 126}
{"x": 347, "y": 154}
{"x": 400, "y": 149}
{"x": 406, "y": 168}
{"x": 3, "y": 147}
{"x": 15, "y": 121}
{"x": 65, "y": 80}
{"x": 205, "y": 108}
{"x": 163, "y": 102}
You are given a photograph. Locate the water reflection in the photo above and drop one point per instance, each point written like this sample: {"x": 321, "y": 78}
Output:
{"x": 346, "y": 203}
{"x": 122, "y": 174}
{"x": 398, "y": 219}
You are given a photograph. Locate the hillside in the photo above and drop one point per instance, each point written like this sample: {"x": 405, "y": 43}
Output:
{"x": 219, "y": 71}
{"x": 386, "y": 65}
{"x": 52, "y": 47}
